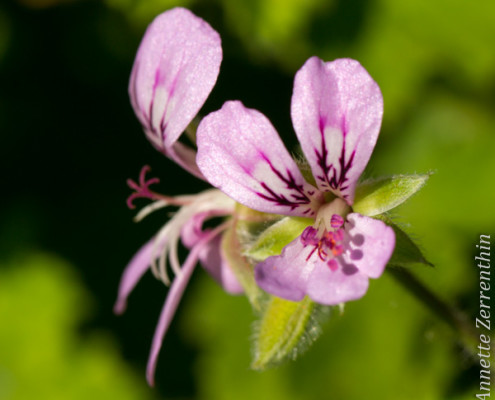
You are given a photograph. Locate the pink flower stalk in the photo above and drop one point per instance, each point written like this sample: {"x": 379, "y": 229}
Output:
{"x": 176, "y": 67}
{"x": 336, "y": 112}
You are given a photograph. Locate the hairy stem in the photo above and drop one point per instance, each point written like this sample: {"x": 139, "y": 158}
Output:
{"x": 459, "y": 321}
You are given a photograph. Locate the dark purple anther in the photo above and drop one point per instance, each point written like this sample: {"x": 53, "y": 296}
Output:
{"x": 308, "y": 237}
{"x": 336, "y": 221}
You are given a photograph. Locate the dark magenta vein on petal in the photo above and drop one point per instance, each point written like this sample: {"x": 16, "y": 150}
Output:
{"x": 298, "y": 198}
{"x": 338, "y": 178}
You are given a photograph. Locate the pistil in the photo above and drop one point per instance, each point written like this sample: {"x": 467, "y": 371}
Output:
{"x": 142, "y": 190}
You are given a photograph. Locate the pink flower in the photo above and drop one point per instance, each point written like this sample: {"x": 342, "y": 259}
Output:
{"x": 336, "y": 112}
{"x": 176, "y": 67}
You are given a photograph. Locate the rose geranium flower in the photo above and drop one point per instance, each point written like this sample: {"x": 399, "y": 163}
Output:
{"x": 336, "y": 112}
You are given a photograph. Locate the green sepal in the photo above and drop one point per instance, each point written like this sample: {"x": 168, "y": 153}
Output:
{"x": 251, "y": 223}
{"x": 242, "y": 269}
{"x": 278, "y": 235}
{"x": 285, "y": 329}
{"x": 406, "y": 252}
{"x": 374, "y": 197}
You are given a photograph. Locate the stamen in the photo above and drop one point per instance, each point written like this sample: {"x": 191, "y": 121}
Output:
{"x": 339, "y": 235}
{"x": 336, "y": 221}
{"x": 321, "y": 252}
{"x": 328, "y": 244}
{"x": 310, "y": 254}
{"x": 309, "y": 236}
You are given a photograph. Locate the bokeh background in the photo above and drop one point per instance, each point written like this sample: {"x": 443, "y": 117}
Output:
{"x": 69, "y": 140}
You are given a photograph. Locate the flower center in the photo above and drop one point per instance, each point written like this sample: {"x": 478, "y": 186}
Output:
{"x": 326, "y": 236}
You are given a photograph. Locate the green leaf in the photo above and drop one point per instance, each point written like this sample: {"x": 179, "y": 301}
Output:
{"x": 285, "y": 329}
{"x": 242, "y": 269}
{"x": 374, "y": 197}
{"x": 406, "y": 252}
{"x": 273, "y": 239}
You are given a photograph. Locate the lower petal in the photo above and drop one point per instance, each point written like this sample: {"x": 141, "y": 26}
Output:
{"x": 210, "y": 257}
{"x": 168, "y": 311}
{"x": 216, "y": 265}
{"x": 174, "y": 295}
{"x": 133, "y": 272}
{"x": 286, "y": 275}
{"x": 332, "y": 287}
{"x": 371, "y": 244}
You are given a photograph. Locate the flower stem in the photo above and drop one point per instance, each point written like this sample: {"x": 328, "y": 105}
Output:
{"x": 458, "y": 320}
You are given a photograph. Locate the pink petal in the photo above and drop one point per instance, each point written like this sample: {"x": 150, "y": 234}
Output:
{"x": 336, "y": 111}
{"x": 212, "y": 261}
{"x": 175, "y": 69}
{"x": 286, "y": 275}
{"x": 371, "y": 244}
{"x": 173, "y": 298}
{"x": 168, "y": 311}
{"x": 334, "y": 286}
{"x": 192, "y": 231}
{"x": 185, "y": 157}
{"x": 240, "y": 153}
{"x": 298, "y": 272}
{"x": 133, "y": 272}
{"x": 210, "y": 256}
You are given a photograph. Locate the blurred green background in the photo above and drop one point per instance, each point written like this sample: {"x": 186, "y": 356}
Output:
{"x": 69, "y": 140}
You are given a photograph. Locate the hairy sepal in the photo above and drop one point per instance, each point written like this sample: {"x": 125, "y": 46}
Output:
{"x": 285, "y": 330}
{"x": 374, "y": 197}
{"x": 247, "y": 225}
{"x": 242, "y": 269}
{"x": 406, "y": 253}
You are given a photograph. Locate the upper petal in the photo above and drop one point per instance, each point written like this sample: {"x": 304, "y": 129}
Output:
{"x": 184, "y": 156}
{"x": 240, "y": 153}
{"x": 371, "y": 244}
{"x": 175, "y": 69}
{"x": 336, "y": 111}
